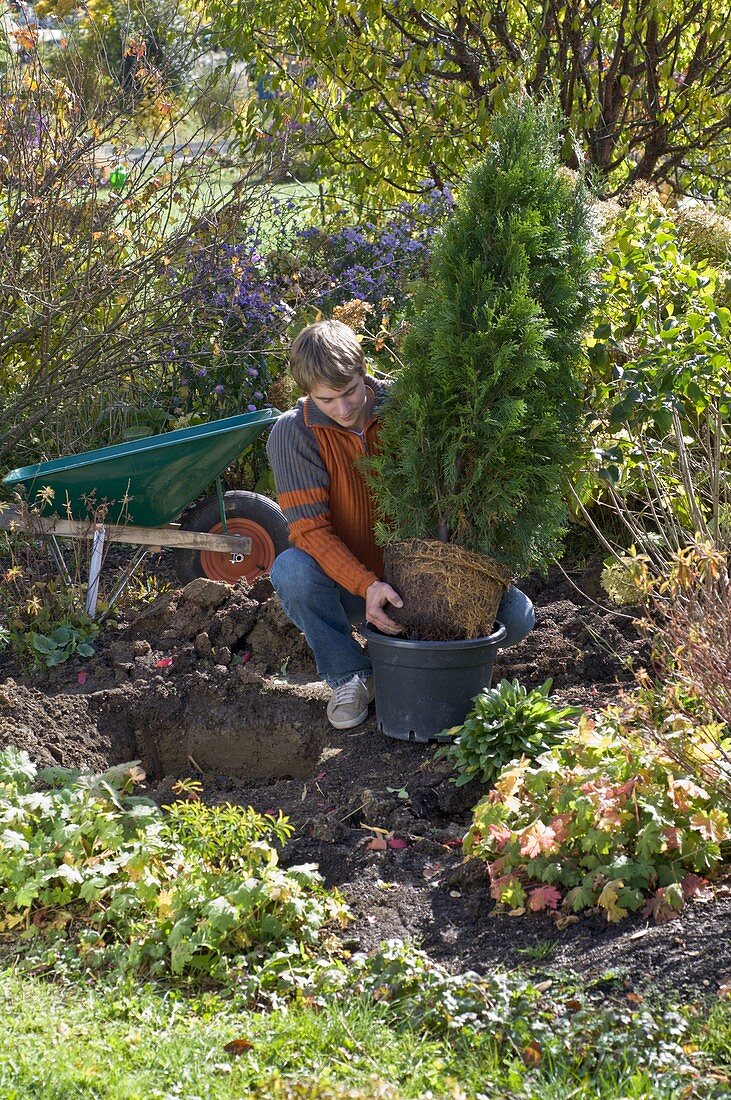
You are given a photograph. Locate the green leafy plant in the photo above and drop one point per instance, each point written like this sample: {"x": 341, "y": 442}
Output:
{"x": 658, "y": 405}
{"x": 417, "y": 992}
{"x": 506, "y": 722}
{"x": 65, "y": 641}
{"x": 45, "y": 622}
{"x": 94, "y": 878}
{"x": 602, "y": 819}
{"x": 483, "y": 420}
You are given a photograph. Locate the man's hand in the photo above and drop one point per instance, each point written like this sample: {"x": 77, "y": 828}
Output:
{"x": 378, "y": 597}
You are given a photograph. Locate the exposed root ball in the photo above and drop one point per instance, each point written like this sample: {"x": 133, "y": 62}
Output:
{"x": 448, "y": 593}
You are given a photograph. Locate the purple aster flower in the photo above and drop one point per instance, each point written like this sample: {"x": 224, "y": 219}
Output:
{"x": 220, "y": 388}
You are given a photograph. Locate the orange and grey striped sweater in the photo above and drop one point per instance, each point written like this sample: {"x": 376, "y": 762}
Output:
{"x": 323, "y": 493}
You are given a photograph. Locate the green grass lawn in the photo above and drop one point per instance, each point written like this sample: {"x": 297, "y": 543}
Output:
{"x": 123, "y": 1044}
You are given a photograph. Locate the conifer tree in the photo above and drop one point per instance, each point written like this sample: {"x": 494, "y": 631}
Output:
{"x": 483, "y": 421}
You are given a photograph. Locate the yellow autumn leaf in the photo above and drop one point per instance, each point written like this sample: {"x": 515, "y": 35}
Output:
{"x": 608, "y": 900}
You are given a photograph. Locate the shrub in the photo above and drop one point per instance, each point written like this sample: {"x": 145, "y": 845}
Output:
{"x": 372, "y": 262}
{"x": 96, "y": 878}
{"x": 483, "y": 421}
{"x": 658, "y": 400}
{"x": 689, "y": 625}
{"x": 506, "y": 722}
{"x": 601, "y": 820}
{"x": 238, "y": 316}
{"x": 89, "y": 310}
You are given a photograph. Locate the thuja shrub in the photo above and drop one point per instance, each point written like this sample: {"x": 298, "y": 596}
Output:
{"x": 93, "y": 878}
{"x": 602, "y": 820}
{"x": 483, "y": 423}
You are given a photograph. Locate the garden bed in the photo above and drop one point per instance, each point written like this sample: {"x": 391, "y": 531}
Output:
{"x": 214, "y": 683}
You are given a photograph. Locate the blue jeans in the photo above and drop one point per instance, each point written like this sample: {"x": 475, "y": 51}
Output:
{"x": 326, "y": 612}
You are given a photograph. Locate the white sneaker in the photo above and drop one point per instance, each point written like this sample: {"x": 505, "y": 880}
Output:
{"x": 348, "y": 704}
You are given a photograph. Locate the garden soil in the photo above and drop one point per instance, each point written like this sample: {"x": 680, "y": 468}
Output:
{"x": 214, "y": 683}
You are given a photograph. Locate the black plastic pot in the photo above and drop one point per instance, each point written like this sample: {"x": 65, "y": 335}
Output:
{"x": 423, "y": 688}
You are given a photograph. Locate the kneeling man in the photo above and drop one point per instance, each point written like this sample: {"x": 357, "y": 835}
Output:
{"x": 331, "y": 578}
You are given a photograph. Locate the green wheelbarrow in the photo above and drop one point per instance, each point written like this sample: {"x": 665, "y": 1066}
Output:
{"x": 133, "y": 491}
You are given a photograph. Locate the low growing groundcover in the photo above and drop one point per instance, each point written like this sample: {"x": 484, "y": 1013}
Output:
{"x": 121, "y": 1042}
{"x": 166, "y": 954}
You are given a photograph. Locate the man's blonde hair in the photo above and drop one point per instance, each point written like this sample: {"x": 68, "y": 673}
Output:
{"x": 326, "y": 353}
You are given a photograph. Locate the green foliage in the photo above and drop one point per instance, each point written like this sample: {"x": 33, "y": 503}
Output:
{"x": 93, "y": 295}
{"x": 600, "y": 820}
{"x": 507, "y": 722}
{"x": 47, "y": 625}
{"x": 511, "y": 1011}
{"x": 55, "y": 648}
{"x": 43, "y": 622}
{"x": 392, "y": 93}
{"x": 483, "y": 421}
{"x": 658, "y": 400}
{"x": 94, "y": 878}
{"x": 134, "y": 1040}
{"x": 623, "y": 577}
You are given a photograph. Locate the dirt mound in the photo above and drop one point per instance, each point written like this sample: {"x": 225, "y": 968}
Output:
{"x": 194, "y": 682}
{"x": 65, "y": 729}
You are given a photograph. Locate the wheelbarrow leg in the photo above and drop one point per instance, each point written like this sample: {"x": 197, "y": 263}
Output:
{"x": 95, "y": 568}
{"x": 124, "y": 580}
{"x": 221, "y": 505}
{"x": 59, "y": 560}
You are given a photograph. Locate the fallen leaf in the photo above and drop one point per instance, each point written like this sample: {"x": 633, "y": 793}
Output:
{"x": 320, "y": 775}
{"x": 164, "y": 662}
{"x": 635, "y": 998}
{"x": 397, "y": 842}
{"x": 376, "y": 829}
{"x": 378, "y": 844}
{"x": 238, "y": 1046}
{"x": 639, "y": 933}
{"x": 82, "y": 677}
{"x": 455, "y": 893}
{"x": 574, "y": 1006}
{"x": 532, "y": 1054}
{"x": 563, "y": 920}
{"x": 453, "y": 843}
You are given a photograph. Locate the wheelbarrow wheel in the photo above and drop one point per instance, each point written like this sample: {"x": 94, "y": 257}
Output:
{"x": 249, "y": 514}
